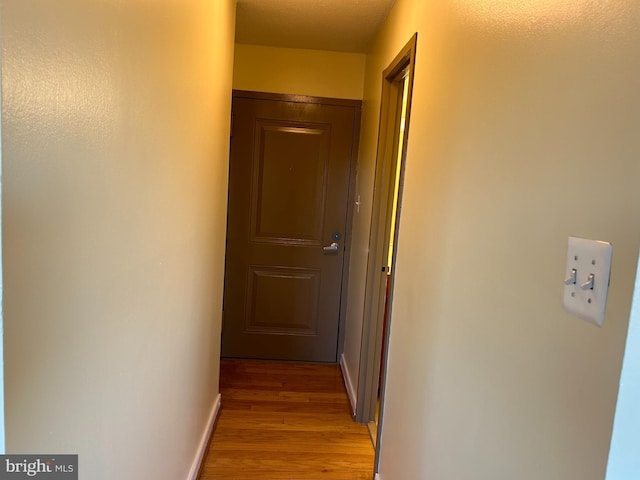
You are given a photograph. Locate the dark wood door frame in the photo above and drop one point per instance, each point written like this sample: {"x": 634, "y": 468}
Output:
{"x": 356, "y": 105}
{"x": 372, "y": 358}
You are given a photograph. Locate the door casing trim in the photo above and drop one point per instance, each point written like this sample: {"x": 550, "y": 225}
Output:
{"x": 371, "y": 356}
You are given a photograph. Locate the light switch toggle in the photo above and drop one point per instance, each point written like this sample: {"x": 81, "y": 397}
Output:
{"x": 588, "y": 285}
{"x": 572, "y": 279}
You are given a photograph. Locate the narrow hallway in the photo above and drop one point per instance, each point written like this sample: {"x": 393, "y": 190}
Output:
{"x": 286, "y": 421}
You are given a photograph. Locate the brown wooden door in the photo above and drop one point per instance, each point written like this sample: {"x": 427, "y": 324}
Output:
{"x": 289, "y": 179}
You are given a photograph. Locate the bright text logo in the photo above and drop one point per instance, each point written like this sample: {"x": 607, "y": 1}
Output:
{"x": 45, "y": 467}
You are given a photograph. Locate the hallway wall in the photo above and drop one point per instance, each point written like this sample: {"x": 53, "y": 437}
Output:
{"x": 524, "y": 131}
{"x": 115, "y": 153}
{"x": 302, "y": 72}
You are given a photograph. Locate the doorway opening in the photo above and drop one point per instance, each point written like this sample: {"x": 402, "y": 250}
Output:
{"x": 385, "y": 222}
{"x": 623, "y": 460}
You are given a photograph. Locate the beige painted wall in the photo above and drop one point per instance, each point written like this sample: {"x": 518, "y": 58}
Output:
{"x": 301, "y": 72}
{"x": 524, "y": 131}
{"x": 115, "y": 143}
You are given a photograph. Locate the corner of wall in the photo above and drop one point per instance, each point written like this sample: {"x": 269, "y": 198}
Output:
{"x": 204, "y": 441}
{"x": 346, "y": 377}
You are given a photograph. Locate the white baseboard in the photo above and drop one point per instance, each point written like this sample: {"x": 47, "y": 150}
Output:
{"x": 377, "y": 477}
{"x": 351, "y": 392}
{"x": 202, "y": 447}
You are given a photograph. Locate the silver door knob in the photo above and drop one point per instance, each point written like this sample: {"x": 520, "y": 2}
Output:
{"x": 333, "y": 248}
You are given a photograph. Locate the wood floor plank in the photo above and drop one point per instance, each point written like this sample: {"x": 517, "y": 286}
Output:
{"x": 286, "y": 421}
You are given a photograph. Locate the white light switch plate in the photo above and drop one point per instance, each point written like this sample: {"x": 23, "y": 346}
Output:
{"x": 587, "y": 257}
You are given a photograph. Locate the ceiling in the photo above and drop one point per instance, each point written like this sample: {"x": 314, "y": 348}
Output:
{"x": 338, "y": 25}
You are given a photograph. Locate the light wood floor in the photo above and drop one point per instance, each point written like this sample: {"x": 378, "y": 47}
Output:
{"x": 286, "y": 421}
